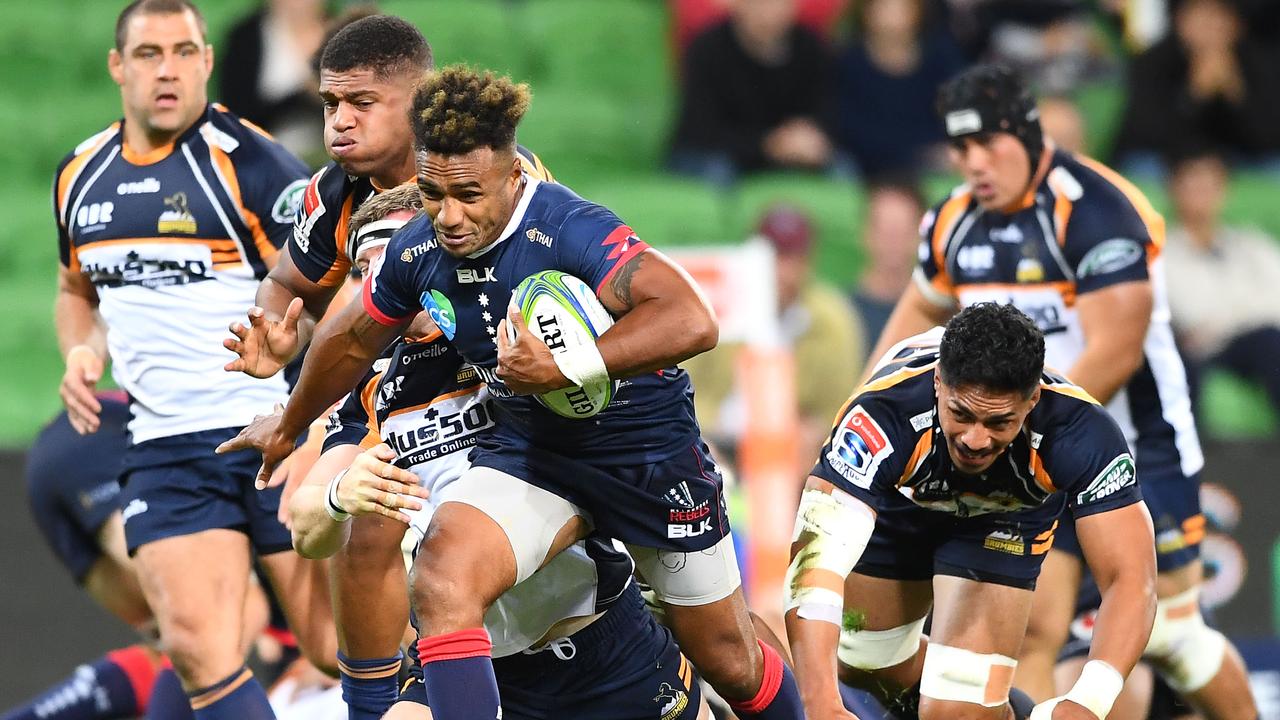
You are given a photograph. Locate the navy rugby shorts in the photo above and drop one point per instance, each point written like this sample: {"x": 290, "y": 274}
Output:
{"x": 624, "y": 666}
{"x": 673, "y": 504}
{"x": 73, "y": 484}
{"x": 912, "y": 543}
{"x": 177, "y": 486}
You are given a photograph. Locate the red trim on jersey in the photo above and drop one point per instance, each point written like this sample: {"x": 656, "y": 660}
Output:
{"x": 623, "y": 245}
{"x": 284, "y": 636}
{"x": 366, "y": 294}
{"x": 137, "y": 665}
{"x": 768, "y": 687}
{"x": 472, "y": 642}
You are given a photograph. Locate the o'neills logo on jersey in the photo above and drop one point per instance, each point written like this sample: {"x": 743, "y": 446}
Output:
{"x": 142, "y": 187}
{"x": 178, "y": 218}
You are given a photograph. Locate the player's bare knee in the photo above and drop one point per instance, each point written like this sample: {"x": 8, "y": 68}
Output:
{"x": 734, "y": 670}
{"x": 1189, "y": 652}
{"x": 931, "y": 709}
{"x": 444, "y": 603}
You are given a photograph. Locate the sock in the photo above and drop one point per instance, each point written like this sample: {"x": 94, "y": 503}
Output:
{"x": 369, "y": 687}
{"x": 114, "y": 686}
{"x": 1021, "y": 703}
{"x": 457, "y": 670}
{"x": 235, "y": 697}
{"x": 168, "y": 700}
{"x": 778, "y": 697}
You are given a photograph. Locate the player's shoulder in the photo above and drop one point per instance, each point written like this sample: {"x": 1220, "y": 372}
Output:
{"x": 1095, "y": 193}
{"x": 1066, "y": 409}
{"x": 559, "y": 207}
{"x": 329, "y": 186}
{"x": 91, "y": 145}
{"x": 940, "y": 220}
{"x": 243, "y": 141}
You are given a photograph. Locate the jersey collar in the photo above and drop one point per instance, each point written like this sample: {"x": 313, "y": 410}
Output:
{"x": 517, "y": 217}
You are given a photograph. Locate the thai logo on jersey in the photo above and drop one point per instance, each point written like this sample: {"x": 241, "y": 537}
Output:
{"x": 285, "y": 208}
{"x": 178, "y": 218}
{"x": 1116, "y": 476}
{"x": 858, "y": 447}
{"x": 671, "y": 701}
{"x": 440, "y": 309}
{"x": 537, "y": 236}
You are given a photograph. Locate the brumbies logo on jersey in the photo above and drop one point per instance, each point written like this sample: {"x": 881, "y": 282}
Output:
{"x": 440, "y": 309}
{"x": 859, "y": 447}
{"x": 178, "y": 219}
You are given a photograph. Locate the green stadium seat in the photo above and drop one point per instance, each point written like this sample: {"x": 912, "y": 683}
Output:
{"x": 1252, "y": 201}
{"x": 664, "y": 211}
{"x": 836, "y": 208}
{"x": 1232, "y": 408}
{"x": 482, "y": 33}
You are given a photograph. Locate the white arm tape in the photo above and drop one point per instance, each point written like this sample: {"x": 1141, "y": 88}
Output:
{"x": 1098, "y": 687}
{"x": 839, "y": 526}
{"x": 583, "y": 365}
{"x": 331, "y": 504}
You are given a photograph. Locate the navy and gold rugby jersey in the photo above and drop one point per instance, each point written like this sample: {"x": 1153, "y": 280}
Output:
{"x": 318, "y": 246}
{"x": 887, "y": 445}
{"x": 1083, "y": 228}
{"x": 650, "y": 418}
{"x": 175, "y": 242}
{"x": 421, "y": 399}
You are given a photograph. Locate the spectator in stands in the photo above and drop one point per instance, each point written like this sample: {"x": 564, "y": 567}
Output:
{"x": 891, "y": 235}
{"x": 753, "y": 96}
{"x": 886, "y": 83}
{"x": 266, "y": 74}
{"x": 691, "y": 17}
{"x": 817, "y": 323}
{"x": 1061, "y": 120}
{"x": 1224, "y": 281}
{"x": 1206, "y": 84}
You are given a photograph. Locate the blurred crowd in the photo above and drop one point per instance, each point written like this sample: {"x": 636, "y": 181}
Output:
{"x": 846, "y": 88}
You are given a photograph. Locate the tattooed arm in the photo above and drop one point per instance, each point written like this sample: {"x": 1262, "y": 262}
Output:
{"x": 663, "y": 318}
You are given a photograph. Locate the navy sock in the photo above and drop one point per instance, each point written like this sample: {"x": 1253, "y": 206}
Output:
{"x": 168, "y": 700}
{"x": 113, "y": 686}
{"x": 778, "y": 697}
{"x": 369, "y": 687}
{"x": 236, "y": 697}
{"x": 457, "y": 670}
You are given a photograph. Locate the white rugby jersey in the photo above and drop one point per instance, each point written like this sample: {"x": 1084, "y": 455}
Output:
{"x": 175, "y": 241}
{"x": 431, "y": 408}
{"x": 1083, "y": 228}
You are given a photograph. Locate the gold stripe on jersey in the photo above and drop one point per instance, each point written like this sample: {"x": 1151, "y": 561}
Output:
{"x": 948, "y": 216}
{"x": 1041, "y": 475}
{"x": 923, "y": 444}
{"x": 337, "y": 273}
{"x": 433, "y": 401}
{"x": 69, "y": 173}
{"x": 1070, "y": 390}
{"x": 215, "y": 246}
{"x": 1152, "y": 219}
{"x": 1044, "y": 541}
{"x": 222, "y": 161}
{"x": 1062, "y": 207}
{"x": 532, "y": 165}
{"x": 895, "y": 377}
{"x": 368, "y": 400}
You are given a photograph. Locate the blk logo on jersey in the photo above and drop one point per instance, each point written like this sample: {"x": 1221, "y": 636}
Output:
{"x": 440, "y": 309}
{"x": 858, "y": 447}
{"x": 476, "y": 275}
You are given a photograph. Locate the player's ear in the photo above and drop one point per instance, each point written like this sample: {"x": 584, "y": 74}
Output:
{"x": 208, "y": 59}
{"x": 115, "y": 66}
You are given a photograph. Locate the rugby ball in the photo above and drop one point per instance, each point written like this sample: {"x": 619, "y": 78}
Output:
{"x": 563, "y": 312}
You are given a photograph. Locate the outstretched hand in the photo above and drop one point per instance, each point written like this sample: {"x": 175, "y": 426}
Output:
{"x": 373, "y": 485}
{"x": 263, "y": 435}
{"x": 525, "y": 363}
{"x": 265, "y": 346}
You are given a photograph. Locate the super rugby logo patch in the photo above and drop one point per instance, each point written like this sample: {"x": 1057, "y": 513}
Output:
{"x": 858, "y": 446}
{"x": 1118, "y": 475}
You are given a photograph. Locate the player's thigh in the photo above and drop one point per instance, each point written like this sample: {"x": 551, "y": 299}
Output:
{"x": 1053, "y": 602}
{"x": 302, "y": 588}
{"x": 968, "y": 666}
{"x": 881, "y": 632}
{"x": 370, "y": 588}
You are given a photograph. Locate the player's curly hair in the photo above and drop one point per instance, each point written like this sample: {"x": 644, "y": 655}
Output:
{"x": 994, "y": 347}
{"x": 459, "y": 109}
{"x": 385, "y": 44}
